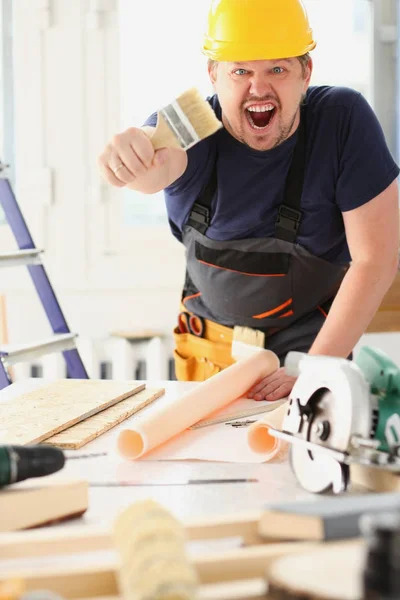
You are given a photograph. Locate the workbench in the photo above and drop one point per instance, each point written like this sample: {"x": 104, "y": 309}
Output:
{"x": 275, "y": 481}
{"x": 186, "y": 502}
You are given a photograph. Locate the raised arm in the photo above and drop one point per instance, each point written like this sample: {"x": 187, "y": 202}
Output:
{"x": 129, "y": 160}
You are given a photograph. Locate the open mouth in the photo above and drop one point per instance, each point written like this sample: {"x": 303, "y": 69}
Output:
{"x": 260, "y": 117}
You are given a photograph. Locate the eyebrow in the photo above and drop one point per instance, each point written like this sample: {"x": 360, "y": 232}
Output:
{"x": 274, "y": 61}
{"x": 286, "y": 60}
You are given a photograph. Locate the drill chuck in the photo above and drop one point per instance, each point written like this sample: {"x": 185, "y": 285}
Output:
{"x": 23, "y": 462}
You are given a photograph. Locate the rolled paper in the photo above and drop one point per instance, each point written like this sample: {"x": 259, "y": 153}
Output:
{"x": 160, "y": 425}
{"x": 262, "y": 442}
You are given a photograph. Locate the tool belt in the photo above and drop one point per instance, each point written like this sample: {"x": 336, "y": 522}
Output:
{"x": 199, "y": 358}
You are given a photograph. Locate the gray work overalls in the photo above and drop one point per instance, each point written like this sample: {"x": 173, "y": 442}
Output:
{"x": 271, "y": 284}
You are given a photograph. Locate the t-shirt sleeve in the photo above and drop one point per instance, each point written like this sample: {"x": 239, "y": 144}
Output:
{"x": 151, "y": 121}
{"x": 367, "y": 167}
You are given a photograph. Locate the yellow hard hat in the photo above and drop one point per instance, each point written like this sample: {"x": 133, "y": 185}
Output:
{"x": 242, "y": 30}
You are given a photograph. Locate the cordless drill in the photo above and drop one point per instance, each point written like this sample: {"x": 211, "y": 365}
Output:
{"x": 23, "y": 462}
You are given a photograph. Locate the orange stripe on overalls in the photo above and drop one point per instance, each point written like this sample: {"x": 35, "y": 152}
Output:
{"x": 274, "y": 310}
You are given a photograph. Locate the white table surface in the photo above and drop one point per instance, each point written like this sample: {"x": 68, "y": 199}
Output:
{"x": 275, "y": 483}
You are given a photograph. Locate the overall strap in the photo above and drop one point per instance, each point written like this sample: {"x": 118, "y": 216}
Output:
{"x": 200, "y": 215}
{"x": 289, "y": 214}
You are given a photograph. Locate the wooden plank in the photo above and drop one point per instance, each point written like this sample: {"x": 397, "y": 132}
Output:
{"x": 385, "y": 321}
{"x": 88, "y": 539}
{"x": 374, "y": 478}
{"x": 328, "y": 573}
{"x": 37, "y": 415}
{"x": 388, "y": 316}
{"x": 80, "y": 581}
{"x": 33, "y": 504}
{"x": 78, "y": 435}
{"x": 244, "y": 525}
{"x": 52, "y": 542}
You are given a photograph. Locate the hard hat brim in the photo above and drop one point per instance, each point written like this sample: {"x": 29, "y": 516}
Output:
{"x": 227, "y": 52}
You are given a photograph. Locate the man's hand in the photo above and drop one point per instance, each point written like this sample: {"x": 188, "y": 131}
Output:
{"x": 130, "y": 160}
{"x": 274, "y": 387}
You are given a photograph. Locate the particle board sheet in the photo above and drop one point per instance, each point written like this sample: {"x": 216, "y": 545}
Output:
{"x": 35, "y": 416}
{"x": 78, "y": 435}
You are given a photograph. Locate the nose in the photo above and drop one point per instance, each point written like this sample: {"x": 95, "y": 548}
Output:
{"x": 260, "y": 85}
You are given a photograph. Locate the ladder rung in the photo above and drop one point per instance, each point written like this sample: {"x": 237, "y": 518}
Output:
{"x": 21, "y": 257}
{"x": 12, "y": 355}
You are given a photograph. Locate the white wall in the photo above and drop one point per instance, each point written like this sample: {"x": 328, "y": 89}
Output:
{"x": 67, "y": 82}
{"x": 67, "y": 107}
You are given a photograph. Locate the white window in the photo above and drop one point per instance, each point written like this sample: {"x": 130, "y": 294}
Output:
{"x": 155, "y": 68}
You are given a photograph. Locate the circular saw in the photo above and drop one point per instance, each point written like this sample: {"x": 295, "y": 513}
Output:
{"x": 340, "y": 412}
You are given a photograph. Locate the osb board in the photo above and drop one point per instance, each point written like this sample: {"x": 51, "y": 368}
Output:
{"x": 77, "y": 436}
{"x": 37, "y": 415}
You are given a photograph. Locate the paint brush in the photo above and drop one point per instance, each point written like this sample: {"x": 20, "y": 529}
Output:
{"x": 183, "y": 123}
{"x": 246, "y": 341}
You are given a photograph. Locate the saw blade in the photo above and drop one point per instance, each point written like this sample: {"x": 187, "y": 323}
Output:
{"x": 330, "y": 404}
{"x": 318, "y": 473}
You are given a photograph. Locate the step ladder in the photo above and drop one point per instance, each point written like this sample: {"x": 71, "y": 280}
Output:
{"x": 28, "y": 255}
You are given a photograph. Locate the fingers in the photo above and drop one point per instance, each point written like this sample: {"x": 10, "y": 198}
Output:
{"x": 279, "y": 391}
{"x": 128, "y": 156}
{"x": 109, "y": 176}
{"x": 274, "y": 377}
{"x": 274, "y": 387}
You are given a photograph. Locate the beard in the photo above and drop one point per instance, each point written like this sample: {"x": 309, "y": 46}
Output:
{"x": 285, "y": 129}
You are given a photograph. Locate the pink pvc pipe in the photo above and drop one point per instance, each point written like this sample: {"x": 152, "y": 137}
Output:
{"x": 215, "y": 393}
{"x": 261, "y": 441}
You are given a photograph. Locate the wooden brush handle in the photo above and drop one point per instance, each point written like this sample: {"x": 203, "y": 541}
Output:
{"x": 161, "y": 136}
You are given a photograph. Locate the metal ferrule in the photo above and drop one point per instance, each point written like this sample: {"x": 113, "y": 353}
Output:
{"x": 178, "y": 122}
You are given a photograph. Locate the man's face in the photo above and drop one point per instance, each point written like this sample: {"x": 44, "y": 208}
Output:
{"x": 260, "y": 99}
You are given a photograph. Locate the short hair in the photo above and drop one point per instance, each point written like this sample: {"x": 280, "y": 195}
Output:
{"x": 304, "y": 61}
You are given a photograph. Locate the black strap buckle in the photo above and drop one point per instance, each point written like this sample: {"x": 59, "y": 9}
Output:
{"x": 288, "y": 218}
{"x": 200, "y": 214}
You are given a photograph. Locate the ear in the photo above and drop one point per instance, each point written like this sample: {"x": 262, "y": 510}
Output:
{"x": 308, "y": 73}
{"x": 212, "y": 71}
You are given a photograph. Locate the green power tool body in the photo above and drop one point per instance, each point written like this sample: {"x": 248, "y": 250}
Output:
{"x": 341, "y": 412}
{"x": 383, "y": 377}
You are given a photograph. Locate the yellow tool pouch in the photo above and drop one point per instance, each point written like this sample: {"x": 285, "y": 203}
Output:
{"x": 199, "y": 358}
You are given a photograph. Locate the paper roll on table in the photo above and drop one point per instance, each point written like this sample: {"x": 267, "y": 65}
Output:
{"x": 262, "y": 442}
{"x": 159, "y": 426}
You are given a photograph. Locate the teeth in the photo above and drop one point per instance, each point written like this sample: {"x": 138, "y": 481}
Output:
{"x": 261, "y": 109}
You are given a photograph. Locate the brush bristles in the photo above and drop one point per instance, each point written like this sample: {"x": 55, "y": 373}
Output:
{"x": 199, "y": 113}
{"x": 253, "y": 337}
{"x": 246, "y": 342}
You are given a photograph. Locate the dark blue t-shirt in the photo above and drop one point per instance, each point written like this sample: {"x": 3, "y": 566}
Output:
{"x": 347, "y": 164}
